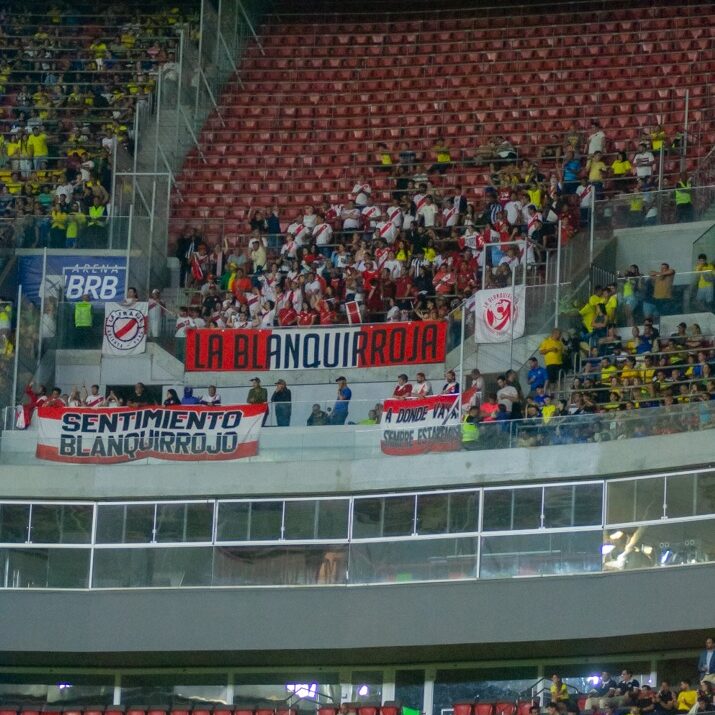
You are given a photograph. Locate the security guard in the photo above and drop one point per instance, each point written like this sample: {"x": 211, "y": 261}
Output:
{"x": 684, "y": 199}
{"x": 470, "y": 431}
{"x": 96, "y": 224}
{"x": 83, "y": 321}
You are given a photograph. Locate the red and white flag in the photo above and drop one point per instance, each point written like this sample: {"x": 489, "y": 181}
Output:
{"x": 125, "y": 328}
{"x": 352, "y": 308}
{"x": 499, "y": 314}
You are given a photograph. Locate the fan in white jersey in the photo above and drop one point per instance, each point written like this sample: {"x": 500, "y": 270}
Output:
{"x": 93, "y": 399}
{"x": 210, "y": 397}
{"x": 310, "y": 218}
{"x": 421, "y": 387}
{"x": 350, "y": 216}
{"x": 183, "y": 322}
{"x": 386, "y": 230}
{"x": 322, "y": 233}
{"x": 450, "y": 215}
{"x": 361, "y": 193}
{"x": 371, "y": 215}
{"x": 394, "y": 214}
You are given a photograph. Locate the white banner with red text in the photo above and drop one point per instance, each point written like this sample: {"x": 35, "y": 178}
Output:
{"x": 86, "y": 435}
{"x": 420, "y": 425}
{"x": 125, "y": 328}
{"x": 499, "y": 314}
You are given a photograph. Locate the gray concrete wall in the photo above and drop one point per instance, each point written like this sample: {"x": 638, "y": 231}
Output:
{"x": 649, "y": 247}
{"x": 339, "y": 460}
{"x": 551, "y": 616}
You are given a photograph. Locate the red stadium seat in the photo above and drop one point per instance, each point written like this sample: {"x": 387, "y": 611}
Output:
{"x": 463, "y": 708}
{"x": 484, "y": 709}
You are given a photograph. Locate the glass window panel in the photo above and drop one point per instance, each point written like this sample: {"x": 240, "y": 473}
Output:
{"x": 486, "y": 684}
{"x": 432, "y": 513}
{"x": 575, "y": 505}
{"x": 314, "y": 689}
{"x": 125, "y": 523}
{"x": 409, "y": 688}
{"x": 399, "y": 516}
{"x": 333, "y": 518}
{"x": 300, "y": 519}
{"x": 366, "y": 686}
{"x": 705, "y": 502}
{"x": 506, "y": 509}
{"x": 266, "y": 519}
{"x": 680, "y": 495}
{"x": 665, "y": 544}
{"x": 367, "y": 519}
{"x": 176, "y": 523}
{"x": 157, "y": 567}
{"x": 61, "y": 524}
{"x": 540, "y": 554}
{"x": 279, "y": 565}
{"x": 588, "y": 510}
{"x": 634, "y": 500}
{"x": 14, "y": 522}
{"x": 463, "y": 512}
{"x": 180, "y": 689}
{"x": 233, "y": 518}
{"x": 559, "y": 505}
{"x": 76, "y": 688}
{"x": 414, "y": 560}
{"x": 45, "y": 568}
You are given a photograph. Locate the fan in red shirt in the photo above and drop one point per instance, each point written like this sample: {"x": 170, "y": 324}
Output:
{"x": 403, "y": 389}
{"x": 241, "y": 286}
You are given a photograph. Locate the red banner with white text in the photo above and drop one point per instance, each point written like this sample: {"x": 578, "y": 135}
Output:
{"x": 330, "y": 347}
{"x": 85, "y": 435}
{"x": 421, "y": 425}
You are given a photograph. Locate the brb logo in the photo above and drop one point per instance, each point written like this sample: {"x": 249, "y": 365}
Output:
{"x": 125, "y": 328}
{"x": 499, "y": 311}
{"x": 102, "y": 282}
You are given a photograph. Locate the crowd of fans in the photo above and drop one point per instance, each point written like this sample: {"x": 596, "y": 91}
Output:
{"x": 71, "y": 80}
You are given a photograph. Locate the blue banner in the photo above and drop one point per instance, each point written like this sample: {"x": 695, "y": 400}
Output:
{"x": 104, "y": 278}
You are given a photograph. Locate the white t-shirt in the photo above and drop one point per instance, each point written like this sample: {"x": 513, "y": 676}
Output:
{"x": 351, "y": 218}
{"x": 93, "y": 400}
{"x": 394, "y": 213}
{"x": 407, "y": 220}
{"x": 371, "y": 214}
{"x": 643, "y": 161}
{"x": 182, "y": 323}
{"x": 309, "y": 220}
{"x": 421, "y": 389}
{"x": 513, "y": 212}
{"x": 428, "y": 213}
{"x": 450, "y": 215}
{"x": 387, "y": 231}
{"x": 596, "y": 142}
{"x": 322, "y": 234}
{"x": 214, "y": 399}
{"x": 585, "y": 193}
{"x": 361, "y": 192}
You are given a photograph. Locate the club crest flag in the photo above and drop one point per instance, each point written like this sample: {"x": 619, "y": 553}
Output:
{"x": 125, "y": 328}
{"x": 499, "y": 314}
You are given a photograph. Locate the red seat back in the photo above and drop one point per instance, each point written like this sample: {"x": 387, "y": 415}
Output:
{"x": 524, "y": 706}
{"x": 483, "y": 708}
{"x": 505, "y": 708}
{"x": 390, "y": 710}
{"x": 462, "y": 708}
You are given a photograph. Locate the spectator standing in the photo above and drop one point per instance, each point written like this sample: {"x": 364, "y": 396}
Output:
{"x": 281, "y": 399}
{"x": 705, "y": 280}
{"x": 664, "y": 699}
{"x": 687, "y": 697}
{"x": 596, "y": 140}
{"x": 552, "y": 348}
{"x": 643, "y": 162}
{"x": 340, "y": 409}
{"x": 706, "y": 662}
{"x": 93, "y": 398}
{"x": 684, "y": 199}
{"x": 155, "y": 313}
{"x": 189, "y": 398}
{"x": 451, "y": 386}
{"x": 171, "y": 398}
{"x": 211, "y": 397}
{"x": 83, "y": 322}
{"x": 537, "y": 376}
{"x": 257, "y": 395}
{"x": 663, "y": 287}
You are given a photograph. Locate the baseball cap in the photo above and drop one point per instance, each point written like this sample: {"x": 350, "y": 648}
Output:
{"x": 255, "y": 379}
{"x": 341, "y": 379}
{"x": 280, "y": 382}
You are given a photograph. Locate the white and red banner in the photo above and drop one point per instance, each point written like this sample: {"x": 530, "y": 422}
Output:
{"x": 499, "y": 314}
{"x": 86, "y": 435}
{"x": 420, "y": 425}
{"x": 315, "y": 347}
{"x": 125, "y": 328}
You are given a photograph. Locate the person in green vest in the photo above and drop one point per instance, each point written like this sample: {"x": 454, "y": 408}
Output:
{"x": 96, "y": 224}
{"x": 82, "y": 322}
{"x": 684, "y": 199}
{"x": 470, "y": 430}
{"x": 258, "y": 395}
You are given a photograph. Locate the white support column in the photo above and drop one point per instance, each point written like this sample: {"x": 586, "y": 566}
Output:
{"x": 388, "y": 684}
{"x": 231, "y": 687}
{"x": 117, "y": 696}
{"x": 430, "y": 675}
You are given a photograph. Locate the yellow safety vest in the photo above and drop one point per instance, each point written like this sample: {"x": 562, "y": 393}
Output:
{"x": 83, "y": 314}
{"x": 96, "y": 213}
{"x": 470, "y": 431}
{"x": 683, "y": 193}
